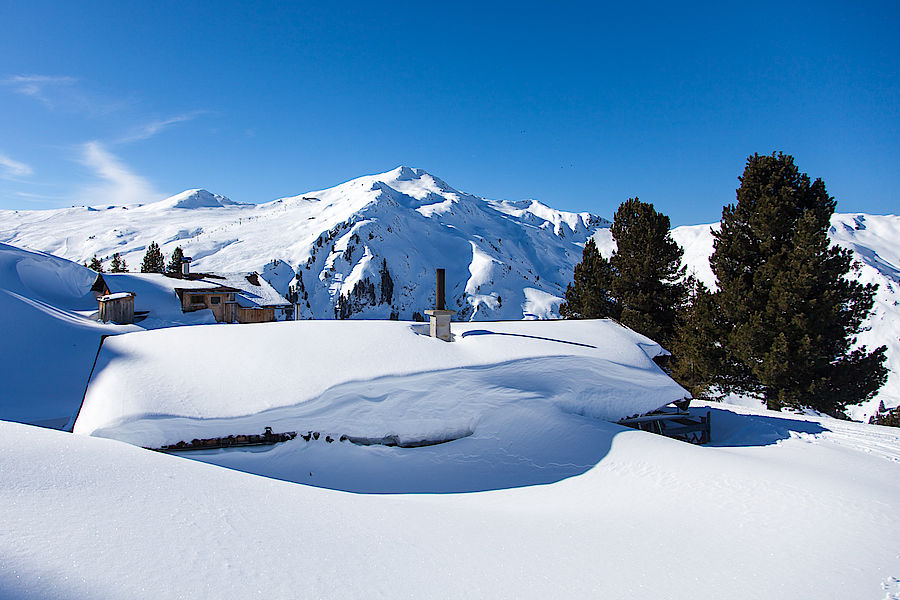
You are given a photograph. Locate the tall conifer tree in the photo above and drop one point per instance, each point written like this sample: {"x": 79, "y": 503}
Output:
{"x": 647, "y": 270}
{"x": 696, "y": 355}
{"x": 589, "y": 296}
{"x": 95, "y": 264}
{"x": 154, "y": 262}
{"x": 789, "y": 316}
{"x": 117, "y": 264}
{"x": 175, "y": 261}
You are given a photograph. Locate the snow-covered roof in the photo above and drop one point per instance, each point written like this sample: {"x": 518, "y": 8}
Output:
{"x": 155, "y": 293}
{"x": 255, "y": 291}
{"x": 424, "y": 387}
{"x": 116, "y": 296}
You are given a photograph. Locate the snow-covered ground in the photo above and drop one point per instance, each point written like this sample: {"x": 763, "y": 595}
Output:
{"x": 777, "y": 507}
{"x": 49, "y": 336}
{"x": 47, "y": 345}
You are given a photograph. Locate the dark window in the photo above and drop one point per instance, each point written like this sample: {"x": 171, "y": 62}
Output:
{"x": 197, "y": 300}
{"x": 214, "y": 300}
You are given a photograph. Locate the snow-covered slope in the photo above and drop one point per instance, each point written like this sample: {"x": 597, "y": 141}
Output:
{"x": 875, "y": 242}
{"x": 779, "y": 507}
{"x": 191, "y": 199}
{"x": 508, "y": 260}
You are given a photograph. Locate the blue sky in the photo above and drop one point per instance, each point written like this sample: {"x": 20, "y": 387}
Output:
{"x": 578, "y": 105}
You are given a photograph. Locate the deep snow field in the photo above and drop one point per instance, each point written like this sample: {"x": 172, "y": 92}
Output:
{"x": 778, "y": 506}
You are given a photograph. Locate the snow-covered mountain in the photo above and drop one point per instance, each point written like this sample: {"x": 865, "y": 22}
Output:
{"x": 375, "y": 240}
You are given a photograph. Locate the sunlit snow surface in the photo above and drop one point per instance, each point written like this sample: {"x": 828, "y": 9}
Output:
{"x": 47, "y": 346}
{"x": 777, "y": 507}
{"x": 503, "y": 259}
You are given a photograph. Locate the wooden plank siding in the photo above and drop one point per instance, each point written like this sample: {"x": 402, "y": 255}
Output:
{"x": 219, "y": 300}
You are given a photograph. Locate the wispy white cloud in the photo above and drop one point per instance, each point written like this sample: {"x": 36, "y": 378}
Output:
{"x": 10, "y": 168}
{"x": 148, "y": 130}
{"x": 117, "y": 184}
{"x": 64, "y": 93}
{"x": 111, "y": 181}
{"x": 36, "y": 86}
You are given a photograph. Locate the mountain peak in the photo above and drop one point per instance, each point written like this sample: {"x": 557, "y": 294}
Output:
{"x": 414, "y": 182}
{"x": 404, "y": 173}
{"x": 196, "y": 198}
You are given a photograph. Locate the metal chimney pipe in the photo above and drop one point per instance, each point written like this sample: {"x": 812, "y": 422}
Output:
{"x": 439, "y": 296}
{"x": 186, "y": 266}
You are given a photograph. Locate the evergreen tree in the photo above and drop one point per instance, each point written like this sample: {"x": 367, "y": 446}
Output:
{"x": 647, "y": 267}
{"x": 96, "y": 265}
{"x": 589, "y": 296}
{"x": 154, "y": 262}
{"x": 788, "y": 315}
{"x": 387, "y": 284}
{"x": 174, "y": 265}
{"x": 117, "y": 264}
{"x": 888, "y": 418}
{"x": 696, "y": 353}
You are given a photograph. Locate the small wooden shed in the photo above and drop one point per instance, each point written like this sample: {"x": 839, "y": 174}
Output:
{"x": 117, "y": 308}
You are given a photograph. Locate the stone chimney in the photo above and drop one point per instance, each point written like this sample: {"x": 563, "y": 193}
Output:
{"x": 439, "y": 326}
{"x": 185, "y": 266}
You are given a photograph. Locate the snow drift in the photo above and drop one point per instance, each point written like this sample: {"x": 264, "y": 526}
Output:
{"x": 784, "y": 508}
